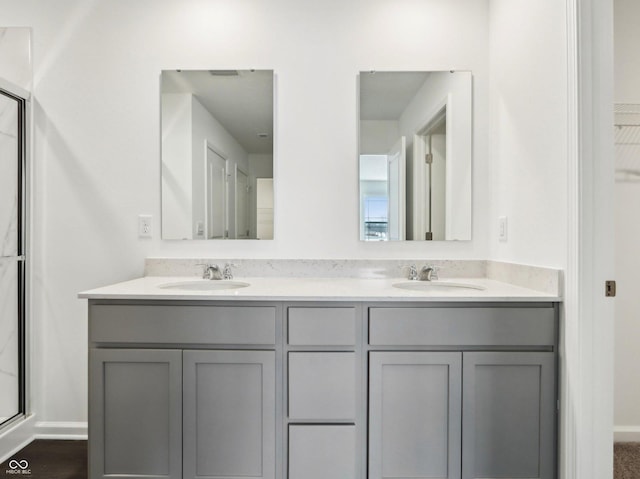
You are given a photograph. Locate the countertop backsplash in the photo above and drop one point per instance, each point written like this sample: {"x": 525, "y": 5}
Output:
{"x": 547, "y": 280}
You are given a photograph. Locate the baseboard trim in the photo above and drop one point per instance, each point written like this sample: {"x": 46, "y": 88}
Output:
{"x": 16, "y": 436}
{"x": 626, "y": 433}
{"x": 61, "y": 430}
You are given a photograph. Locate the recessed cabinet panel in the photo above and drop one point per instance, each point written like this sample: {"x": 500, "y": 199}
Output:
{"x": 414, "y": 415}
{"x": 462, "y": 326}
{"x": 322, "y": 326}
{"x": 322, "y": 452}
{"x": 171, "y": 324}
{"x": 508, "y": 415}
{"x": 322, "y": 386}
{"x": 229, "y": 414}
{"x": 136, "y": 413}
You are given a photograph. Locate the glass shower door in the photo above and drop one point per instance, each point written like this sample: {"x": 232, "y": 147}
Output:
{"x": 12, "y": 273}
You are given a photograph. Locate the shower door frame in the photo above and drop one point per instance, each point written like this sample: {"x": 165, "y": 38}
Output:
{"x": 23, "y": 98}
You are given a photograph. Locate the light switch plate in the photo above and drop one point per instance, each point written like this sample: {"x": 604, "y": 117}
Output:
{"x": 144, "y": 226}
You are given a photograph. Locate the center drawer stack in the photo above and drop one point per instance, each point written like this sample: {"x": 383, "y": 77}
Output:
{"x": 323, "y": 375}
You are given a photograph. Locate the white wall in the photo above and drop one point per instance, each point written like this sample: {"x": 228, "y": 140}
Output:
{"x": 627, "y": 57}
{"x": 627, "y": 317}
{"x": 528, "y": 92}
{"x": 15, "y": 56}
{"x": 627, "y": 236}
{"x": 97, "y": 65}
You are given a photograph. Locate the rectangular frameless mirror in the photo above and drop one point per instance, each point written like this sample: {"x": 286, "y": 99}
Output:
{"x": 415, "y": 156}
{"x": 217, "y": 154}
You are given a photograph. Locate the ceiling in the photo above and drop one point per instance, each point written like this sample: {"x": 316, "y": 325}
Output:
{"x": 385, "y": 95}
{"x": 241, "y": 100}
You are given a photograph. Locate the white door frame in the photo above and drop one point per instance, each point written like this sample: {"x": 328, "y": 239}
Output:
{"x": 401, "y": 147}
{"x": 236, "y": 209}
{"x": 586, "y": 385}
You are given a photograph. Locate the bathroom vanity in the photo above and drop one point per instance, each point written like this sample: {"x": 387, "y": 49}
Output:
{"x": 363, "y": 382}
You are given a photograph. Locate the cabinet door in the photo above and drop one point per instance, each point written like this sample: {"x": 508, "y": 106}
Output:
{"x": 508, "y": 415}
{"x": 229, "y": 414}
{"x": 135, "y": 400}
{"x": 414, "y": 415}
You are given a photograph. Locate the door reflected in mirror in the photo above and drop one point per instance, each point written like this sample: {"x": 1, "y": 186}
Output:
{"x": 217, "y": 154}
{"x": 415, "y": 156}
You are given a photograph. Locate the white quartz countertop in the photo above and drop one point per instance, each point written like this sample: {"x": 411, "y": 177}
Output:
{"x": 319, "y": 289}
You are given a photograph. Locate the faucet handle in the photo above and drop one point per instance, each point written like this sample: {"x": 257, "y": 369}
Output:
{"x": 413, "y": 272}
{"x": 227, "y": 273}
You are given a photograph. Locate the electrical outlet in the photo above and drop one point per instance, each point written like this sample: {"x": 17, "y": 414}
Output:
{"x": 502, "y": 228}
{"x": 144, "y": 226}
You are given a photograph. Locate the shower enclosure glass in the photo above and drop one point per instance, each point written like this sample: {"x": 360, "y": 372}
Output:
{"x": 12, "y": 255}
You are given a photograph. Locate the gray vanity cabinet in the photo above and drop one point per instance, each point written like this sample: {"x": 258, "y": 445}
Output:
{"x": 182, "y": 391}
{"x": 324, "y": 401}
{"x": 170, "y": 414}
{"x": 135, "y": 413}
{"x": 462, "y": 392}
{"x": 503, "y": 402}
{"x": 322, "y": 390}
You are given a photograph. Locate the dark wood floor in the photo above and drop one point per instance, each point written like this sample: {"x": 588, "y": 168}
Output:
{"x": 48, "y": 459}
{"x": 55, "y": 459}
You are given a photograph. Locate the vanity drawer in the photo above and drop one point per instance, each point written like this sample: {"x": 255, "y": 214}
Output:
{"x": 520, "y": 326}
{"x": 322, "y": 385}
{"x": 175, "y": 324}
{"x": 322, "y": 451}
{"x": 322, "y": 326}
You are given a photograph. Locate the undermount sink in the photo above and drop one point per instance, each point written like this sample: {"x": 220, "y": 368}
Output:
{"x": 439, "y": 286}
{"x": 205, "y": 285}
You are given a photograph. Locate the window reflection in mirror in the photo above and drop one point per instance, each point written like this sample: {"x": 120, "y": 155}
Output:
{"x": 217, "y": 154}
{"x": 415, "y": 156}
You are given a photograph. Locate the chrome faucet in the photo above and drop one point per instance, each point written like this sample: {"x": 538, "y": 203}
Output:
{"x": 211, "y": 271}
{"x": 426, "y": 273}
{"x": 429, "y": 273}
{"x": 227, "y": 273}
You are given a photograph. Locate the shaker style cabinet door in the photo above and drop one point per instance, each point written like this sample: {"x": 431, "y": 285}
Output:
{"x": 135, "y": 400}
{"x": 229, "y": 414}
{"x": 414, "y": 415}
{"x": 508, "y": 415}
